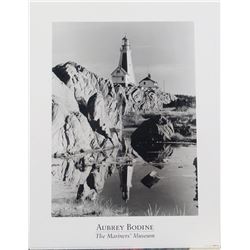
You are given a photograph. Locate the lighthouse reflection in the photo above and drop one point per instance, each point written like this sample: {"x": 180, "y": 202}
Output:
{"x": 125, "y": 174}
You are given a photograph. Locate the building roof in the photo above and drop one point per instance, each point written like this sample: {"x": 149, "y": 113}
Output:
{"x": 121, "y": 69}
{"x": 148, "y": 78}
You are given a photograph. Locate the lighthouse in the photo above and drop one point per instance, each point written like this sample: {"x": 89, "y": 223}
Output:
{"x": 124, "y": 73}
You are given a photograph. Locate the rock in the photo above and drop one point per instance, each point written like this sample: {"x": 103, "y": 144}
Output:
{"x": 63, "y": 95}
{"x": 97, "y": 115}
{"x": 146, "y": 100}
{"x": 71, "y": 131}
{"x": 86, "y": 110}
{"x": 155, "y": 130}
{"x": 79, "y": 134}
{"x": 184, "y": 130}
{"x": 150, "y": 139}
{"x": 85, "y": 84}
{"x": 183, "y": 103}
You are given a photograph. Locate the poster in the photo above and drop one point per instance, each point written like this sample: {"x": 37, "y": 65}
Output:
{"x": 124, "y": 127}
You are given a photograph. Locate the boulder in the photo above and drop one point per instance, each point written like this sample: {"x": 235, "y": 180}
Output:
{"x": 153, "y": 131}
{"x": 150, "y": 140}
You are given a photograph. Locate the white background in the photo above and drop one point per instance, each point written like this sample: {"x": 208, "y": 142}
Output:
{"x": 235, "y": 52}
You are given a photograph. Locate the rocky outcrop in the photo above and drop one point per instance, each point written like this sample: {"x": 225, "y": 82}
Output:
{"x": 71, "y": 131}
{"x": 146, "y": 100}
{"x": 85, "y": 84}
{"x": 86, "y": 110}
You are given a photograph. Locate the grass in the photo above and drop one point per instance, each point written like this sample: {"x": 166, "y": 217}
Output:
{"x": 156, "y": 211}
{"x": 106, "y": 209}
{"x": 99, "y": 207}
{"x": 153, "y": 211}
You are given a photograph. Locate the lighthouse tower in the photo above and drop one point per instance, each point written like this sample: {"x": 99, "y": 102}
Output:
{"x": 124, "y": 73}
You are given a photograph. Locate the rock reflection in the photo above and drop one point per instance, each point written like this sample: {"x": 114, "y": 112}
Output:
{"x": 89, "y": 171}
{"x": 156, "y": 153}
{"x": 85, "y": 175}
{"x": 150, "y": 179}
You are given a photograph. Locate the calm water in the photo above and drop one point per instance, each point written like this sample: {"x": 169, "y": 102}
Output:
{"x": 158, "y": 181}
{"x": 173, "y": 194}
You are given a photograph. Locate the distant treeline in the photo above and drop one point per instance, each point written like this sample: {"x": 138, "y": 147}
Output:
{"x": 183, "y": 101}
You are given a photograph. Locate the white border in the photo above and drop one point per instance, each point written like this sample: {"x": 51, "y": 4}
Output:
{"x": 188, "y": 231}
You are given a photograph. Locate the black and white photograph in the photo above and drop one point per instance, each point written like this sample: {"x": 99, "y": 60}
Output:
{"x": 124, "y": 134}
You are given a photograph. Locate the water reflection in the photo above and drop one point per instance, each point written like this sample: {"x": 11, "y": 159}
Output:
{"x": 150, "y": 179}
{"x": 127, "y": 165}
{"x": 155, "y": 153}
{"x": 90, "y": 171}
{"x": 125, "y": 174}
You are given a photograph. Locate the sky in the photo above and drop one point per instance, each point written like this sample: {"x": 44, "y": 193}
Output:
{"x": 163, "y": 49}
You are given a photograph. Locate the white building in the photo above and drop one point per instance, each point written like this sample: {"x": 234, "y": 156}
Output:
{"x": 147, "y": 82}
{"x": 124, "y": 73}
